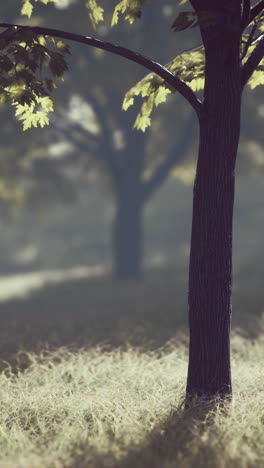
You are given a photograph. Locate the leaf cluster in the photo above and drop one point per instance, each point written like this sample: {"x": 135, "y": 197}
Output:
{"x": 132, "y": 9}
{"x": 29, "y": 67}
{"x": 189, "y": 67}
{"x": 25, "y": 58}
{"x": 27, "y": 6}
{"x": 96, "y": 13}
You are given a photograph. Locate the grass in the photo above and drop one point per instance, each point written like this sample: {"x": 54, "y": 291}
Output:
{"x": 93, "y": 375}
{"x": 107, "y": 408}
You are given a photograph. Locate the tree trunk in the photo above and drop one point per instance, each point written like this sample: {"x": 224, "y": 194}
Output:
{"x": 128, "y": 237}
{"x": 210, "y": 270}
{"x": 128, "y": 222}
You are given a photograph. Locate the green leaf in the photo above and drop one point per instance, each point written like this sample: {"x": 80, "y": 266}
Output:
{"x": 132, "y": 15}
{"x": 189, "y": 67}
{"x": 127, "y": 102}
{"x": 142, "y": 122}
{"x": 256, "y": 79}
{"x": 197, "y": 84}
{"x": 65, "y": 48}
{"x": 19, "y": 109}
{"x": 34, "y": 114}
{"x": 183, "y": 21}
{"x": 96, "y": 13}
{"x": 27, "y": 8}
{"x": 43, "y": 119}
{"x": 161, "y": 95}
{"x": 57, "y": 64}
{"x": 47, "y": 103}
{"x": 132, "y": 8}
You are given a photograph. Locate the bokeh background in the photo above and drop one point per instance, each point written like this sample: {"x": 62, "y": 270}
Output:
{"x": 85, "y": 256}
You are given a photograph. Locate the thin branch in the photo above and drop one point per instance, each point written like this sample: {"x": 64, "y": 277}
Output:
{"x": 253, "y": 61}
{"x": 245, "y": 14}
{"x": 256, "y": 10}
{"x": 155, "y": 67}
{"x": 107, "y": 154}
{"x": 249, "y": 41}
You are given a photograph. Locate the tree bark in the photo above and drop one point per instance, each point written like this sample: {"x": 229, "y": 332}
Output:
{"x": 210, "y": 270}
{"x": 128, "y": 237}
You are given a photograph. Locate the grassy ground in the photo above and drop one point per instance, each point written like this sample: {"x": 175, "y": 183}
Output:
{"x": 120, "y": 408}
{"x": 93, "y": 375}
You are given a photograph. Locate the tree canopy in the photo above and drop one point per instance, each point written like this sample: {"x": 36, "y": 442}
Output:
{"x": 34, "y": 58}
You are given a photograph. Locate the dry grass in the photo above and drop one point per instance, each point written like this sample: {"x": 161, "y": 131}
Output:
{"x": 107, "y": 408}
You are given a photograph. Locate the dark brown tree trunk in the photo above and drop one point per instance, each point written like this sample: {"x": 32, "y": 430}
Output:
{"x": 210, "y": 272}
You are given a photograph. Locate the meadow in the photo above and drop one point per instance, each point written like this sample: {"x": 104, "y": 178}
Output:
{"x": 93, "y": 375}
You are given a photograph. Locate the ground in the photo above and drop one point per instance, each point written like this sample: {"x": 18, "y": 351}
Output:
{"x": 94, "y": 373}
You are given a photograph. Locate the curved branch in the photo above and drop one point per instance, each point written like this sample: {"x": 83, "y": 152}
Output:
{"x": 155, "y": 67}
{"x": 253, "y": 61}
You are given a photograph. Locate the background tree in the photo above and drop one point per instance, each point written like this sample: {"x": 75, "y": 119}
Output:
{"x": 122, "y": 164}
{"x": 121, "y": 156}
{"x": 232, "y": 61}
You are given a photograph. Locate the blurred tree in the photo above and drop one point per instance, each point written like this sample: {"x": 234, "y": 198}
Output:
{"x": 233, "y": 59}
{"x": 122, "y": 156}
{"x": 117, "y": 153}
{"x": 106, "y": 144}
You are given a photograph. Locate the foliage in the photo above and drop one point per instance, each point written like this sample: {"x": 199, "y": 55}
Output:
{"x": 132, "y": 8}
{"x": 25, "y": 53}
{"x": 30, "y": 116}
{"x": 95, "y": 11}
{"x": 29, "y": 66}
{"x": 27, "y": 6}
{"x": 189, "y": 67}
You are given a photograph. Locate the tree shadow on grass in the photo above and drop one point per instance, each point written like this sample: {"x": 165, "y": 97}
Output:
{"x": 178, "y": 442}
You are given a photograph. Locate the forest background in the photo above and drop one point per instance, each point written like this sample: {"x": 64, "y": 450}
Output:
{"x": 57, "y": 198}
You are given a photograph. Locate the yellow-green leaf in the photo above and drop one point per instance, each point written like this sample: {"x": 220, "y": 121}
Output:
{"x": 96, "y": 13}
{"x": 27, "y": 8}
{"x": 43, "y": 119}
{"x": 142, "y": 122}
{"x": 127, "y": 102}
{"x": 161, "y": 95}
{"x": 46, "y": 103}
{"x": 256, "y": 79}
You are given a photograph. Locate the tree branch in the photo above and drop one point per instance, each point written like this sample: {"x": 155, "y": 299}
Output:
{"x": 245, "y": 14}
{"x": 175, "y": 155}
{"x": 249, "y": 41}
{"x": 256, "y": 10}
{"x": 253, "y": 61}
{"x": 155, "y": 67}
{"x": 105, "y": 154}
